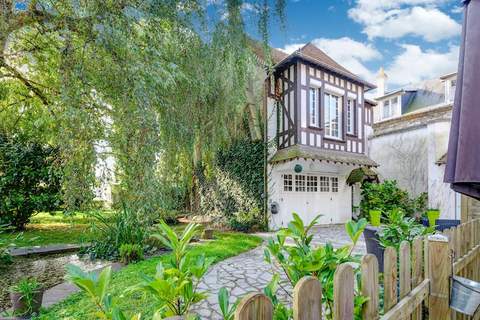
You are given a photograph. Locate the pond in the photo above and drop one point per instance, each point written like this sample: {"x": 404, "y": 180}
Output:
{"x": 48, "y": 269}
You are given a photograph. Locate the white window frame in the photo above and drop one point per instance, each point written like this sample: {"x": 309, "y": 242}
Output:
{"x": 312, "y": 183}
{"x": 329, "y": 121}
{"x": 287, "y": 182}
{"x": 351, "y": 107}
{"x": 386, "y": 109}
{"x": 324, "y": 184}
{"x": 313, "y": 107}
{"x": 300, "y": 184}
{"x": 334, "y": 184}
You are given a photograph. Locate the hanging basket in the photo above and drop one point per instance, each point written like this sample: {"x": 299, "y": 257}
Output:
{"x": 464, "y": 295}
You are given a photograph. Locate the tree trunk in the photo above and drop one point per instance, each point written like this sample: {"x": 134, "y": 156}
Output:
{"x": 197, "y": 170}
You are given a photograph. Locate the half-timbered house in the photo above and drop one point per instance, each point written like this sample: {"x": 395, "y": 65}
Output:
{"x": 316, "y": 119}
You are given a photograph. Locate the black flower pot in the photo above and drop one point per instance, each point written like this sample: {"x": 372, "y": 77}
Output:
{"x": 373, "y": 244}
{"x": 442, "y": 224}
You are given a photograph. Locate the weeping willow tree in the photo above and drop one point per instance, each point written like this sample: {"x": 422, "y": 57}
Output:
{"x": 157, "y": 81}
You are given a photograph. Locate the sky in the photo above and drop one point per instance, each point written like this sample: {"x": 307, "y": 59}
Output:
{"x": 412, "y": 40}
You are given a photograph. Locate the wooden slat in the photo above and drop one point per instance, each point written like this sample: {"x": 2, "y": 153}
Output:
{"x": 343, "y": 293}
{"x": 255, "y": 306}
{"x": 369, "y": 268}
{"x": 417, "y": 272}
{"x": 390, "y": 278}
{"x": 307, "y": 299}
{"x": 405, "y": 269}
{"x": 408, "y": 304}
{"x": 440, "y": 270}
{"x": 460, "y": 264}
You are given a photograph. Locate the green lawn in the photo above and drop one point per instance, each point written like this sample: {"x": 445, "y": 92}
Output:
{"x": 45, "y": 229}
{"x": 78, "y": 306}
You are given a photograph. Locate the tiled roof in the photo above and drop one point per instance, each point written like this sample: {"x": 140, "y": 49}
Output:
{"x": 306, "y": 152}
{"x": 314, "y": 55}
{"x": 258, "y": 49}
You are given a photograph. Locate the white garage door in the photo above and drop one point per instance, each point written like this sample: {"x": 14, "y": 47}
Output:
{"x": 310, "y": 195}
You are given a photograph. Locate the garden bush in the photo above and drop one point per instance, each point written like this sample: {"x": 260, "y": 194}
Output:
{"x": 124, "y": 227}
{"x": 30, "y": 180}
{"x": 130, "y": 253}
{"x": 387, "y": 196}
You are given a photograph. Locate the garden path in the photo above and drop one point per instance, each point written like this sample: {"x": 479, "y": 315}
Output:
{"x": 248, "y": 272}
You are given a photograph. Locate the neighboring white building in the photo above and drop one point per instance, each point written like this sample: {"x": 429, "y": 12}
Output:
{"x": 316, "y": 119}
{"x": 410, "y": 139}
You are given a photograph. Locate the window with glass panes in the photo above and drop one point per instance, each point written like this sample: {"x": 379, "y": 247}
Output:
{"x": 287, "y": 182}
{"x": 334, "y": 184}
{"x": 350, "y": 116}
{"x": 313, "y": 107}
{"x": 324, "y": 184}
{"x": 312, "y": 183}
{"x": 333, "y": 116}
{"x": 299, "y": 183}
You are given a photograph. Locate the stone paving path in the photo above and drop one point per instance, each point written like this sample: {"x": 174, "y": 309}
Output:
{"x": 248, "y": 272}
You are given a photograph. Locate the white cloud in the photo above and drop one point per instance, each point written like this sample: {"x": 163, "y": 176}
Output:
{"x": 349, "y": 53}
{"x": 395, "y": 19}
{"x": 414, "y": 64}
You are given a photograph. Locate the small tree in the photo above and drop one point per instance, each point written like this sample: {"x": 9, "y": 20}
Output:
{"x": 29, "y": 180}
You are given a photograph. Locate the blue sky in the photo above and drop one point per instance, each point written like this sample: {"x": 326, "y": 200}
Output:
{"x": 412, "y": 39}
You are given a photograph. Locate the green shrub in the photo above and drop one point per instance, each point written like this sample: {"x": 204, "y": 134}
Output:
{"x": 245, "y": 221}
{"x": 130, "y": 253}
{"x": 124, "y": 227}
{"x": 387, "y": 196}
{"x": 303, "y": 259}
{"x": 400, "y": 228}
{"x": 175, "y": 284}
{"x": 30, "y": 180}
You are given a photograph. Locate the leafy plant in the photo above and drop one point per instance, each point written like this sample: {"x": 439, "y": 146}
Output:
{"x": 400, "y": 228}
{"x": 30, "y": 180}
{"x": 96, "y": 288}
{"x": 387, "y": 196}
{"x": 227, "y": 309}
{"x": 175, "y": 284}
{"x": 280, "y": 311}
{"x": 27, "y": 288}
{"x": 124, "y": 227}
{"x": 302, "y": 259}
{"x": 246, "y": 220}
{"x": 130, "y": 253}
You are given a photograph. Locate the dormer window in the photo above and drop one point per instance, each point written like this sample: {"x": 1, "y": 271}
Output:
{"x": 313, "y": 107}
{"x": 389, "y": 108}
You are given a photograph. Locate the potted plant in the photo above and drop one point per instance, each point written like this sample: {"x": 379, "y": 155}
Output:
{"x": 432, "y": 215}
{"x": 26, "y": 297}
{"x": 375, "y": 217}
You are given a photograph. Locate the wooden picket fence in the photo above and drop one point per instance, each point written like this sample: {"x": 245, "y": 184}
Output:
{"x": 415, "y": 283}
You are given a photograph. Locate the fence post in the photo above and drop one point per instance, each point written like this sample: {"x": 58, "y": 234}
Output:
{"x": 343, "y": 286}
{"x": 255, "y": 306}
{"x": 307, "y": 299}
{"x": 370, "y": 287}
{"x": 405, "y": 269}
{"x": 439, "y": 264}
{"x": 390, "y": 278}
{"x": 417, "y": 271}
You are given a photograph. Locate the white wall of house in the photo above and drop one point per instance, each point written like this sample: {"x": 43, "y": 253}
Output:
{"x": 408, "y": 153}
{"x": 334, "y": 206}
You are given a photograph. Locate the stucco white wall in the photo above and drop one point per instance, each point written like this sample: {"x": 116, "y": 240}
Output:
{"x": 410, "y": 155}
{"x": 402, "y": 156}
{"x": 335, "y": 207}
